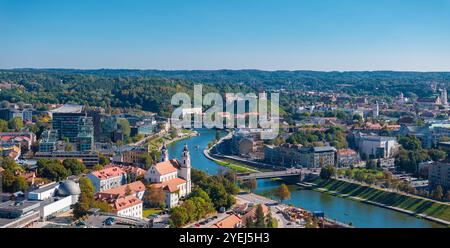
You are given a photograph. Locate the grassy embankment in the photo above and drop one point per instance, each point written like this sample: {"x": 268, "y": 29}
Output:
{"x": 148, "y": 211}
{"x": 238, "y": 167}
{"x": 355, "y": 192}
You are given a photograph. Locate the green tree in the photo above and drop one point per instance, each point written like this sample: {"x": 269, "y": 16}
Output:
{"x": 147, "y": 160}
{"x": 282, "y": 193}
{"x": 438, "y": 193}
{"x": 260, "y": 220}
{"x": 179, "y": 216}
{"x": 52, "y": 169}
{"x": 173, "y": 133}
{"x": 103, "y": 160}
{"x": 437, "y": 155}
{"x": 124, "y": 127}
{"x": 74, "y": 166}
{"x": 15, "y": 124}
{"x": 85, "y": 199}
{"x": 20, "y": 184}
{"x": 249, "y": 184}
{"x": 410, "y": 142}
{"x": 327, "y": 172}
{"x": 97, "y": 167}
{"x": 155, "y": 197}
{"x": 3, "y": 126}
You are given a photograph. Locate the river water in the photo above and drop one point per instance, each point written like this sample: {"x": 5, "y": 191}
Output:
{"x": 343, "y": 210}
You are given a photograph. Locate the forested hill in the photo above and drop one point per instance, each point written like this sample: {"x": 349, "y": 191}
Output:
{"x": 356, "y": 82}
{"x": 151, "y": 90}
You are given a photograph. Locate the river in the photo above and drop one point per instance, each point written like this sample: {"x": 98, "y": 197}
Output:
{"x": 343, "y": 210}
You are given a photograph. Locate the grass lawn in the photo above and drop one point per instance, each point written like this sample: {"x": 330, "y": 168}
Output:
{"x": 417, "y": 205}
{"x": 237, "y": 167}
{"x": 148, "y": 211}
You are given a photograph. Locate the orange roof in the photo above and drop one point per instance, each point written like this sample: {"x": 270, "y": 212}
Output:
{"x": 121, "y": 191}
{"x": 129, "y": 169}
{"x": 252, "y": 212}
{"x": 108, "y": 172}
{"x": 231, "y": 221}
{"x": 171, "y": 185}
{"x": 167, "y": 167}
{"x": 125, "y": 202}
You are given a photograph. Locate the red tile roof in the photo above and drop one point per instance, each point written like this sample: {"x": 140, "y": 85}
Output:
{"x": 121, "y": 191}
{"x": 231, "y": 221}
{"x": 125, "y": 202}
{"x": 167, "y": 167}
{"x": 171, "y": 185}
{"x": 108, "y": 172}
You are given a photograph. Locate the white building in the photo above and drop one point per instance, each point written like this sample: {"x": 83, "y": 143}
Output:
{"x": 108, "y": 178}
{"x": 55, "y": 198}
{"x": 376, "y": 146}
{"x": 172, "y": 175}
{"x": 128, "y": 206}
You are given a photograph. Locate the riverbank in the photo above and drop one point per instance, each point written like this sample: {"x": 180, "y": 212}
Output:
{"x": 233, "y": 166}
{"x": 157, "y": 141}
{"x": 418, "y": 207}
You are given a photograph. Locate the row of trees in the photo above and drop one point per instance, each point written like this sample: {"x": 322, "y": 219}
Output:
{"x": 87, "y": 201}
{"x": 412, "y": 153}
{"x": 54, "y": 170}
{"x": 334, "y": 135}
{"x": 196, "y": 207}
{"x": 15, "y": 124}
{"x": 11, "y": 179}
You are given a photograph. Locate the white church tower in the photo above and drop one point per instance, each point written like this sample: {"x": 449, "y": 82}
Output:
{"x": 185, "y": 171}
{"x": 164, "y": 153}
{"x": 444, "y": 97}
{"x": 376, "y": 110}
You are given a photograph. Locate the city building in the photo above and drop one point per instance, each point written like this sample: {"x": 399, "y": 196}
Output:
{"x": 439, "y": 174}
{"x": 107, "y": 178}
{"x": 43, "y": 203}
{"x": 135, "y": 188}
{"x": 127, "y": 206}
{"x": 88, "y": 158}
{"x": 66, "y": 120}
{"x": 85, "y": 136}
{"x": 173, "y": 176}
{"x": 315, "y": 157}
{"x": 134, "y": 156}
{"x": 48, "y": 141}
{"x": 374, "y": 146}
{"x": 23, "y": 139}
{"x": 287, "y": 155}
{"x": 19, "y": 214}
{"x": 346, "y": 157}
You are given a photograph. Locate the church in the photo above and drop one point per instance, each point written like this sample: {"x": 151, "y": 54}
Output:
{"x": 173, "y": 176}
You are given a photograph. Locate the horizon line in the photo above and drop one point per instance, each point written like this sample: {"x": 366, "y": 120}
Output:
{"x": 220, "y": 69}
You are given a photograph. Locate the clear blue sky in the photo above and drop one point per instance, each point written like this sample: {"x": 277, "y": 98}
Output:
{"x": 233, "y": 34}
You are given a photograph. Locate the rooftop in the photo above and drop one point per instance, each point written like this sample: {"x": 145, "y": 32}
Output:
{"x": 108, "y": 172}
{"x": 167, "y": 167}
{"x": 68, "y": 108}
{"x": 121, "y": 191}
{"x": 231, "y": 221}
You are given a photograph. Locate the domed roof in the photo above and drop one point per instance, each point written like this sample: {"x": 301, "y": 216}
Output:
{"x": 68, "y": 187}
